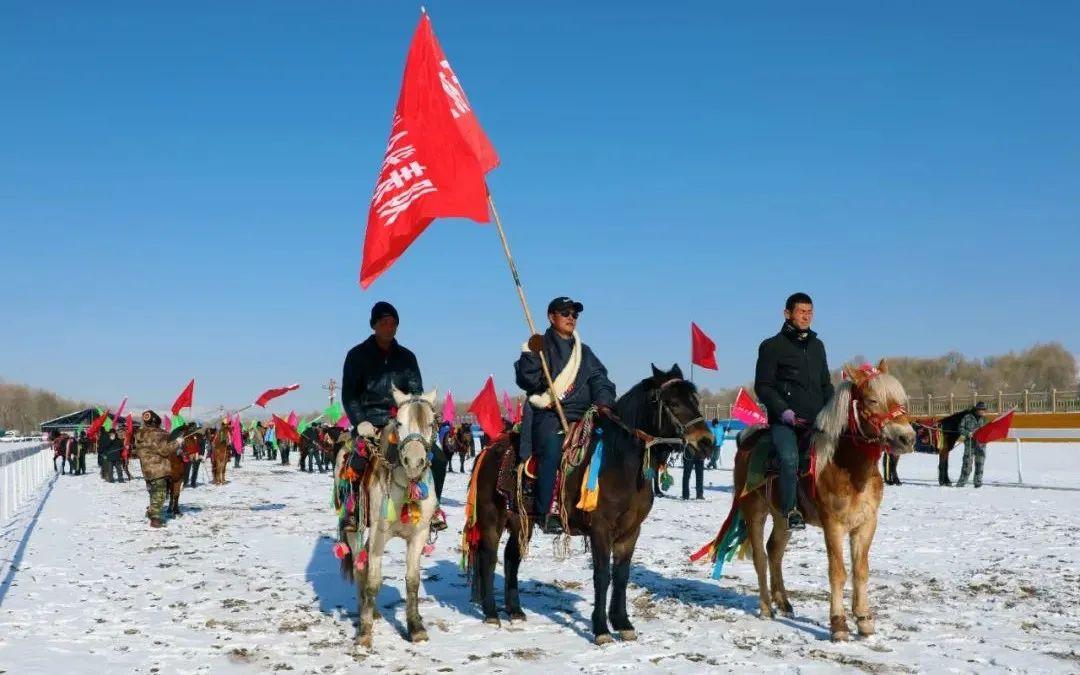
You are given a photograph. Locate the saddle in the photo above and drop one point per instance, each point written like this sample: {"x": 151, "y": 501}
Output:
{"x": 517, "y": 479}
{"x": 764, "y": 465}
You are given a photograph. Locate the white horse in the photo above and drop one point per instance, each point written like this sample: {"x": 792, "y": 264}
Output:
{"x": 400, "y": 481}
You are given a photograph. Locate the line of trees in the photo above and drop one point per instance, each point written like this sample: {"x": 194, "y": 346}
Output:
{"x": 1042, "y": 367}
{"x": 24, "y": 408}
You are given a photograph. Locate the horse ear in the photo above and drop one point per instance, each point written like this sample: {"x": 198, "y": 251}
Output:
{"x": 676, "y": 371}
{"x": 854, "y": 374}
{"x": 399, "y": 396}
{"x": 656, "y": 372}
{"x": 883, "y": 366}
{"x": 430, "y": 396}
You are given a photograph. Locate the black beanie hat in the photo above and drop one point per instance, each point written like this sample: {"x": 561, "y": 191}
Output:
{"x": 382, "y": 309}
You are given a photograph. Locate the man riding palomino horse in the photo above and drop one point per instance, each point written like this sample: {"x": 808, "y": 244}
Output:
{"x": 372, "y": 369}
{"x": 792, "y": 381}
{"x": 580, "y": 380}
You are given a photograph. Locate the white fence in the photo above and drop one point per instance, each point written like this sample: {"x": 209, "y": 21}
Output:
{"x": 24, "y": 466}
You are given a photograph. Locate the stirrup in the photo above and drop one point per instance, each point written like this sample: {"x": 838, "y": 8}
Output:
{"x": 795, "y": 520}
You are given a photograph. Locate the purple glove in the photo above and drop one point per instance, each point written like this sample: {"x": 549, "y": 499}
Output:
{"x": 788, "y": 417}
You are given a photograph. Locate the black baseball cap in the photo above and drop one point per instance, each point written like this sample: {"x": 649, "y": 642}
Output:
{"x": 981, "y": 405}
{"x": 562, "y": 302}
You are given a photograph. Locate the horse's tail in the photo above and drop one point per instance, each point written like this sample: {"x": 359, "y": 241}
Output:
{"x": 732, "y": 535}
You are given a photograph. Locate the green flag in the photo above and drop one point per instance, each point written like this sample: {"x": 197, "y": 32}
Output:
{"x": 333, "y": 413}
{"x": 304, "y": 424}
{"x": 107, "y": 426}
{"x": 177, "y": 421}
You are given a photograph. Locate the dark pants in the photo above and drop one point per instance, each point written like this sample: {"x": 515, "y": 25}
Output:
{"x": 285, "y": 448}
{"x": 236, "y": 460}
{"x": 888, "y": 467}
{"x": 438, "y": 472}
{"x": 786, "y": 446}
{"x": 697, "y": 466}
{"x": 81, "y": 464}
{"x": 547, "y": 442}
{"x": 113, "y": 466}
{"x": 191, "y": 472}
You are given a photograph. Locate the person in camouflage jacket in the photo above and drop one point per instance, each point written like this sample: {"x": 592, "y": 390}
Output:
{"x": 974, "y": 451}
{"x": 155, "y": 449}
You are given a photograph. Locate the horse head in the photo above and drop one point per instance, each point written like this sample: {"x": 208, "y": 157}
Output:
{"x": 415, "y": 431}
{"x": 878, "y": 408}
{"x": 679, "y": 410}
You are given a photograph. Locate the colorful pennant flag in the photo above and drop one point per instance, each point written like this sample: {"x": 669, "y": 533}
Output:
{"x": 702, "y": 348}
{"x": 271, "y": 394}
{"x": 486, "y": 408}
{"x": 746, "y": 410}
{"x": 185, "y": 399}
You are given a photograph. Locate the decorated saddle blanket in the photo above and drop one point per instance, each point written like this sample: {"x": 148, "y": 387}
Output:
{"x": 763, "y": 464}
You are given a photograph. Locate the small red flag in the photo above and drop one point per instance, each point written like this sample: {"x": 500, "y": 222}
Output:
{"x": 486, "y": 408}
{"x": 746, "y": 410}
{"x": 129, "y": 432}
{"x": 435, "y": 159}
{"x": 284, "y": 430}
{"x": 95, "y": 426}
{"x": 998, "y": 430}
{"x": 185, "y": 399}
{"x": 702, "y": 349}
{"x": 271, "y": 394}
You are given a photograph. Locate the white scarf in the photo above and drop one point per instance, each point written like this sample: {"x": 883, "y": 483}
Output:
{"x": 563, "y": 381}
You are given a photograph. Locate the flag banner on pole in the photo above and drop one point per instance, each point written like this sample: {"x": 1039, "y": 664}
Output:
{"x": 486, "y": 408}
{"x": 292, "y": 419}
{"x": 271, "y": 394}
{"x": 120, "y": 411}
{"x": 185, "y": 399}
{"x": 998, "y": 430}
{"x": 166, "y": 423}
{"x": 746, "y": 410}
{"x": 237, "y": 434}
{"x": 435, "y": 159}
{"x": 449, "y": 411}
{"x": 284, "y": 431}
{"x": 333, "y": 412}
{"x": 702, "y": 348}
{"x": 95, "y": 426}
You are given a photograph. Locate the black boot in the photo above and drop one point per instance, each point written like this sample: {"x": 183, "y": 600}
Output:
{"x": 552, "y": 524}
{"x": 795, "y": 520}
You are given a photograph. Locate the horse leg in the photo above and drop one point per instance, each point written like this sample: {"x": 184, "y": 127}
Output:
{"x": 778, "y": 541}
{"x": 861, "y": 538}
{"x": 177, "y": 486}
{"x": 413, "y": 622}
{"x": 486, "y": 557}
{"x": 755, "y": 526}
{"x": 622, "y": 553}
{"x": 601, "y": 550}
{"x": 834, "y": 548}
{"x": 370, "y": 582}
{"x": 511, "y": 563}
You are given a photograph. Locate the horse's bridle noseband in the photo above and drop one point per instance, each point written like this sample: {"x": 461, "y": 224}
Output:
{"x": 662, "y": 409}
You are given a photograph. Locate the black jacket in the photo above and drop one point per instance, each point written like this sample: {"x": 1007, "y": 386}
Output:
{"x": 792, "y": 372}
{"x": 591, "y": 386}
{"x": 367, "y": 378}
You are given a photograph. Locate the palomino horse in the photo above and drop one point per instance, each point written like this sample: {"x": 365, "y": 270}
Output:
{"x": 865, "y": 417}
{"x": 400, "y": 500}
{"x": 219, "y": 456}
{"x": 662, "y": 408}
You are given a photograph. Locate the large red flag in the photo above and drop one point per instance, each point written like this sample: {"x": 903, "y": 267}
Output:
{"x": 746, "y": 410}
{"x": 486, "y": 408}
{"x": 271, "y": 394}
{"x": 702, "y": 349}
{"x": 435, "y": 159}
{"x": 95, "y": 426}
{"x": 284, "y": 430}
{"x": 998, "y": 430}
{"x": 185, "y": 399}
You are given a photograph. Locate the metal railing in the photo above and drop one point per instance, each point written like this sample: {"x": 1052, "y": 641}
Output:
{"x": 24, "y": 466}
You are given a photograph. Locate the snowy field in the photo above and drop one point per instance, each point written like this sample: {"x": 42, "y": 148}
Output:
{"x": 961, "y": 581}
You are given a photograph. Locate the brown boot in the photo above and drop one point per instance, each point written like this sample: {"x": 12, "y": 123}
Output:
{"x": 154, "y": 522}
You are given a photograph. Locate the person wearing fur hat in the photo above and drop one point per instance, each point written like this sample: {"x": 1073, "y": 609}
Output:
{"x": 155, "y": 449}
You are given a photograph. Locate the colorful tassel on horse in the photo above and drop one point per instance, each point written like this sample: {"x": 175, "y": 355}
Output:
{"x": 429, "y": 549}
{"x": 424, "y": 491}
{"x": 341, "y": 549}
{"x": 666, "y": 481}
{"x": 388, "y": 509}
{"x": 414, "y": 491}
{"x": 361, "y": 560}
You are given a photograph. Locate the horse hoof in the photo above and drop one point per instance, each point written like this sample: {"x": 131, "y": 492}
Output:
{"x": 364, "y": 641}
{"x": 865, "y": 626}
{"x": 604, "y": 639}
{"x": 840, "y": 636}
{"x": 492, "y": 621}
{"x": 628, "y": 635}
{"x": 419, "y": 636}
{"x": 517, "y": 616}
{"x": 838, "y": 629}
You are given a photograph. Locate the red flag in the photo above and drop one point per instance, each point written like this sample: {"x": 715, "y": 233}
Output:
{"x": 271, "y": 394}
{"x": 746, "y": 410}
{"x": 185, "y": 399}
{"x": 284, "y": 430}
{"x": 702, "y": 349}
{"x": 129, "y": 434}
{"x": 435, "y": 159}
{"x": 120, "y": 411}
{"x": 95, "y": 426}
{"x": 508, "y": 405}
{"x": 486, "y": 408}
{"x": 997, "y": 430}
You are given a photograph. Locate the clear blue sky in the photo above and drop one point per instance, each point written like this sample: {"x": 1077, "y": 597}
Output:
{"x": 183, "y": 186}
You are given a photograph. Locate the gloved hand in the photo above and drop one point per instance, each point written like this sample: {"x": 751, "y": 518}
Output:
{"x": 788, "y": 417}
{"x": 536, "y": 343}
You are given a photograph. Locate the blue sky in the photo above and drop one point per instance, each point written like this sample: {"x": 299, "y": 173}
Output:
{"x": 183, "y": 187}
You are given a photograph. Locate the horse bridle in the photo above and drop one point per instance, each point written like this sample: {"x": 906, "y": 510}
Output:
{"x": 662, "y": 409}
{"x": 427, "y": 441}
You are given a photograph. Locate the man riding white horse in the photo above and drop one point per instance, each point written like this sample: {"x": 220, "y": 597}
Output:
{"x": 580, "y": 381}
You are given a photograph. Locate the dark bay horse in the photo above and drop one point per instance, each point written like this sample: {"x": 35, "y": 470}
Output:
{"x": 661, "y": 406}
{"x": 459, "y": 441}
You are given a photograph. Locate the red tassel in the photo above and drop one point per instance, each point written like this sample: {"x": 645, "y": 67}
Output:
{"x": 341, "y": 549}
{"x": 361, "y": 560}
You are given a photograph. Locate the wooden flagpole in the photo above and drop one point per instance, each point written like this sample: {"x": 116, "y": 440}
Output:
{"x": 528, "y": 314}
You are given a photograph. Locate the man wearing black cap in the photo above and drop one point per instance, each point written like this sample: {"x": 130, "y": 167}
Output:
{"x": 580, "y": 381}
{"x": 372, "y": 369}
{"x": 974, "y": 420}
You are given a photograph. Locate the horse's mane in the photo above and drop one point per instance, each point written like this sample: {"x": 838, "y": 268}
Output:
{"x": 633, "y": 409}
{"x": 832, "y": 421}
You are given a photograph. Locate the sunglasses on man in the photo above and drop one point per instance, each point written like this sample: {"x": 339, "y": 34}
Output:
{"x": 567, "y": 313}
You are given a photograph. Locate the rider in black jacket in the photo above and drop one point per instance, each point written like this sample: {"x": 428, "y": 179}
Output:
{"x": 792, "y": 381}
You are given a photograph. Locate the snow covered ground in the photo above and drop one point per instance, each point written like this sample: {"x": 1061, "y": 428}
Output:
{"x": 962, "y": 581}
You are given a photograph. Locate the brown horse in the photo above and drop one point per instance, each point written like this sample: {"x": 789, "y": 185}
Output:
{"x": 865, "y": 417}
{"x": 663, "y": 405}
{"x": 459, "y": 441}
{"x": 219, "y": 457}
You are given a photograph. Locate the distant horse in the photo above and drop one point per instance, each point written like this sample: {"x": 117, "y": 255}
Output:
{"x": 180, "y": 464}
{"x": 663, "y": 405}
{"x": 219, "y": 457}
{"x": 866, "y": 416}
{"x": 463, "y": 444}
{"x": 401, "y": 499}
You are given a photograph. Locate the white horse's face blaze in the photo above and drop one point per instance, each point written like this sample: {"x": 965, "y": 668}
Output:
{"x": 416, "y": 420}
{"x": 882, "y": 394}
